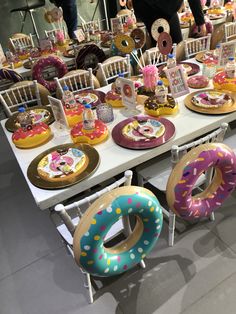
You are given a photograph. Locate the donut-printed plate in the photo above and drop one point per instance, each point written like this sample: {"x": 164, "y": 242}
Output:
{"x": 209, "y": 55}
{"x": 63, "y": 165}
{"x": 141, "y": 132}
{"x": 70, "y": 53}
{"x": 213, "y": 16}
{"x": 211, "y": 102}
{"x": 190, "y": 68}
{"x": 39, "y": 114}
{"x": 92, "y": 97}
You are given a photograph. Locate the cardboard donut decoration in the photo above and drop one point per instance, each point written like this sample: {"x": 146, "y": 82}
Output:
{"x": 89, "y": 56}
{"x": 159, "y": 26}
{"x": 124, "y": 43}
{"x": 88, "y": 241}
{"x": 122, "y": 3}
{"x": 11, "y": 75}
{"x": 138, "y": 37}
{"x": 164, "y": 43}
{"x": 44, "y": 62}
{"x": 186, "y": 173}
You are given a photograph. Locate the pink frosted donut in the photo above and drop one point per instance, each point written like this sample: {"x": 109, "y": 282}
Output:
{"x": 186, "y": 173}
{"x": 220, "y": 81}
{"x": 198, "y": 81}
{"x": 49, "y": 61}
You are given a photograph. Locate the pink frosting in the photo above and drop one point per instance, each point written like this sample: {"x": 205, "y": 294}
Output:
{"x": 150, "y": 76}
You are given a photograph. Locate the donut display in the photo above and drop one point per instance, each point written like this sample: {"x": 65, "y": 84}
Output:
{"x": 11, "y": 75}
{"x": 153, "y": 108}
{"x": 198, "y": 81}
{"x": 114, "y": 99}
{"x": 138, "y": 37}
{"x": 211, "y": 99}
{"x": 62, "y": 163}
{"x": 50, "y": 61}
{"x": 32, "y": 136}
{"x": 92, "y": 137}
{"x": 159, "y": 26}
{"x": 88, "y": 242}
{"x": 74, "y": 115}
{"x": 124, "y": 43}
{"x": 220, "y": 81}
{"x": 186, "y": 173}
{"x": 164, "y": 43}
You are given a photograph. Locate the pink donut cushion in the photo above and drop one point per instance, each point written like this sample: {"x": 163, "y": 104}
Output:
{"x": 49, "y": 61}
{"x": 198, "y": 81}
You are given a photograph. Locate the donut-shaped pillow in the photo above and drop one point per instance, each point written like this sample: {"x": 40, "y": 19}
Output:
{"x": 32, "y": 136}
{"x": 114, "y": 99}
{"x": 154, "y": 108}
{"x": 41, "y": 64}
{"x": 89, "y": 251}
{"x": 97, "y": 135}
{"x": 186, "y": 173}
{"x": 198, "y": 81}
{"x": 89, "y": 56}
{"x": 11, "y": 75}
{"x": 220, "y": 81}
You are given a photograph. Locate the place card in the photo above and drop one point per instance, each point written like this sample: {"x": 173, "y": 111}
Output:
{"x": 226, "y": 50}
{"x": 59, "y": 113}
{"x": 79, "y": 33}
{"x": 116, "y": 25}
{"x": 177, "y": 82}
{"x": 128, "y": 93}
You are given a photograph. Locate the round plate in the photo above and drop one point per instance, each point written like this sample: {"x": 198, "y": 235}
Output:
{"x": 216, "y": 16}
{"x": 70, "y": 53}
{"x": 93, "y": 163}
{"x": 10, "y": 124}
{"x": 191, "y": 68}
{"x": 92, "y": 97}
{"x": 200, "y": 55}
{"x": 147, "y": 142}
{"x": 221, "y": 110}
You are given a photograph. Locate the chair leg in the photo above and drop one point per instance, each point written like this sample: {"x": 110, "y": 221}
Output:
{"x": 171, "y": 228}
{"x": 23, "y": 22}
{"x": 140, "y": 180}
{"x": 142, "y": 264}
{"x": 212, "y": 216}
{"x": 34, "y": 25}
{"x": 89, "y": 287}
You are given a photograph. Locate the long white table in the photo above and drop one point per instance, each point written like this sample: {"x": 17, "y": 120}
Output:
{"x": 116, "y": 159}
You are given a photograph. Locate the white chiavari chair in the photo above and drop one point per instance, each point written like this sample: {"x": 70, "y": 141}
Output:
{"x": 26, "y": 95}
{"x": 157, "y": 171}
{"x": 53, "y": 32}
{"x": 91, "y": 26}
{"x": 110, "y": 70}
{"x": 192, "y": 46}
{"x": 71, "y": 214}
{"x": 154, "y": 56}
{"x": 230, "y": 31}
{"x": 80, "y": 80}
{"x": 23, "y": 42}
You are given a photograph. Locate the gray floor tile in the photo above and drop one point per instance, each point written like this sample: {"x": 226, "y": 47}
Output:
{"x": 220, "y": 300}
{"x": 52, "y": 285}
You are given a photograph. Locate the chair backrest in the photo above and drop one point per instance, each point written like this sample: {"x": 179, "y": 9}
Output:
{"x": 196, "y": 45}
{"x": 154, "y": 56}
{"x": 78, "y": 81}
{"x": 24, "y": 42}
{"x": 230, "y": 31}
{"x": 91, "y": 26}
{"x": 25, "y": 95}
{"x": 111, "y": 70}
{"x": 53, "y": 32}
{"x": 62, "y": 210}
{"x": 216, "y": 136}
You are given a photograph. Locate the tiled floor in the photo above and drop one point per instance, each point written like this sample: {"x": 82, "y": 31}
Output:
{"x": 197, "y": 275}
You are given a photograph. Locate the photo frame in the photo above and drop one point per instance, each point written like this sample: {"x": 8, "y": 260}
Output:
{"x": 58, "y": 112}
{"x": 116, "y": 25}
{"x": 80, "y": 35}
{"x": 177, "y": 81}
{"x": 128, "y": 93}
{"x": 226, "y": 50}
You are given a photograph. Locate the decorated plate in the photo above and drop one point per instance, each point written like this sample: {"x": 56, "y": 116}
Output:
{"x": 39, "y": 114}
{"x": 201, "y": 56}
{"x": 92, "y": 97}
{"x": 211, "y": 102}
{"x": 213, "y": 16}
{"x": 190, "y": 68}
{"x": 141, "y": 132}
{"x": 62, "y": 166}
{"x": 70, "y": 53}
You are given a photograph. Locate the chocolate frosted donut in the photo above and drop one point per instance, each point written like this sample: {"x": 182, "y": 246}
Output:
{"x": 154, "y": 108}
{"x": 198, "y": 81}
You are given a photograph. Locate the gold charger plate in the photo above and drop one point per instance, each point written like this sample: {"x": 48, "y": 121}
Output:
{"x": 93, "y": 162}
{"x": 10, "y": 124}
{"x": 221, "y": 110}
